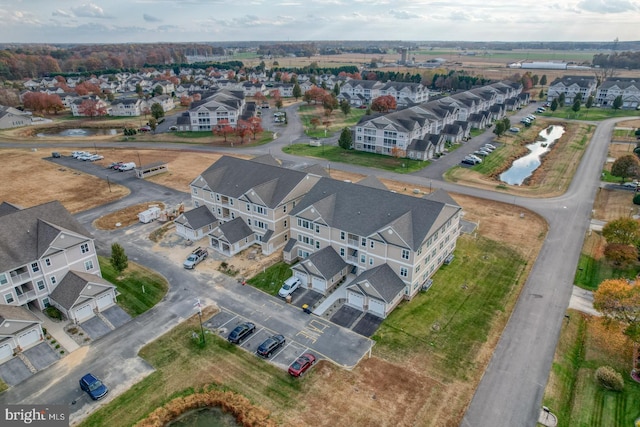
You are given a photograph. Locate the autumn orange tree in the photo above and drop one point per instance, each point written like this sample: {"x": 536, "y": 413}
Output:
{"x": 384, "y": 104}
{"x": 223, "y": 129}
{"x": 619, "y": 299}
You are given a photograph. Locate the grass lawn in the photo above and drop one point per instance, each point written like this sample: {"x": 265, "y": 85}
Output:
{"x": 592, "y": 272}
{"x": 271, "y": 280}
{"x": 359, "y": 158}
{"x": 337, "y": 120}
{"x": 593, "y": 113}
{"x": 140, "y": 288}
{"x": 454, "y": 317}
{"x": 572, "y": 393}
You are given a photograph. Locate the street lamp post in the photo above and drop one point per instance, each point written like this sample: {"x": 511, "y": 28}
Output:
{"x": 200, "y": 318}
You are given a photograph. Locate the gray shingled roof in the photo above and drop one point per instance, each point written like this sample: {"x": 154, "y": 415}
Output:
{"x": 70, "y": 288}
{"x": 581, "y": 81}
{"x": 15, "y": 312}
{"x": 235, "y": 177}
{"x": 384, "y": 283}
{"x": 622, "y": 83}
{"x": 326, "y": 263}
{"x": 366, "y": 211}
{"x": 373, "y": 182}
{"x": 7, "y": 208}
{"x": 197, "y": 218}
{"x": 235, "y": 230}
{"x": 26, "y": 234}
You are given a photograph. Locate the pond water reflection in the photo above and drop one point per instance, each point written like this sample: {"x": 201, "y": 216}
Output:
{"x": 80, "y": 132}
{"x": 522, "y": 168}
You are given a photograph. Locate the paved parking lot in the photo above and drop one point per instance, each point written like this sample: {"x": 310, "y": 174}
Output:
{"x": 305, "y": 296}
{"x": 224, "y": 322}
{"x": 116, "y": 316}
{"x": 368, "y": 325}
{"x": 95, "y": 328}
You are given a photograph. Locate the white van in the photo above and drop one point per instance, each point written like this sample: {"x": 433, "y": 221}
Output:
{"x": 127, "y": 166}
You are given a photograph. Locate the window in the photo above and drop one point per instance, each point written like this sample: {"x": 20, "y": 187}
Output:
{"x": 47, "y": 261}
{"x": 40, "y": 285}
{"x": 372, "y": 244}
{"x": 285, "y": 223}
{"x": 284, "y": 208}
{"x": 317, "y": 228}
{"x": 303, "y": 223}
{"x": 370, "y": 261}
{"x": 88, "y": 265}
{"x": 53, "y": 280}
{"x": 317, "y": 244}
{"x": 363, "y": 259}
{"x": 248, "y": 207}
{"x": 249, "y": 221}
{"x": 260, "y": 209}
{"x": 404, "y": 272}
{"x": 342, "y": 235}
{"x": 8, "y": 298}
{"x": 3, "y": 279}
{"x": 230, "y": 202}
{"x": 405, "y": 254}
{"x": 194, "y": 190}
{"x": 45, "y": 302}
{"x": 363, "y": 242}
{"x": 84, "y": 248}
{"x": 342, "y": 252}
{"x": 196, "y": 204}
{"x": 35, "y": 267}
{"x": 233, "y": 215}
{"x": 417, "y": 268}
{"x": 260, "y": 224}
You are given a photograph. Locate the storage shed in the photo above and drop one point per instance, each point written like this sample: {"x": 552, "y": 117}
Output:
{"x": 151, "y": 169}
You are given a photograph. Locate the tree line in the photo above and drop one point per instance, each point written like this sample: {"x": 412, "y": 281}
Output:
{"x": 630, "y": 60}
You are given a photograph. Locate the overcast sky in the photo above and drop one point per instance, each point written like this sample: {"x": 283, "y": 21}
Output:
{"x": 116, "y": 21}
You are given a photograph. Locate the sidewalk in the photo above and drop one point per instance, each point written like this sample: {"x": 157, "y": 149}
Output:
{"x": 56, "y": 330}
{"x": 340, "y": 293}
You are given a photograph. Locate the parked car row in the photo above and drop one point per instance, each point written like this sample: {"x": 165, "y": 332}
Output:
{"x": 476, "y": 157}
{"x": 84, "y": 155}
{"x": 269, "y": 346}
{"x": 527, "y": 121}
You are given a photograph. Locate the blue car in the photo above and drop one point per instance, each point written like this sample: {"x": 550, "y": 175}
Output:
{"x": 93, "y": 386}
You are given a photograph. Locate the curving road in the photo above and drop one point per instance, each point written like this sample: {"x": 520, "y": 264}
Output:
{"x": 511, "y": 390}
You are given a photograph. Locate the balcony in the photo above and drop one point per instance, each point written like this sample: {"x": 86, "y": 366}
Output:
{"x": 19, "y": 278}
{"x": 26, "y": 297}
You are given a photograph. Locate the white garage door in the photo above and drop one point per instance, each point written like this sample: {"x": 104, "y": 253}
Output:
{"x": 318, "y": 284}
{"x": 5, "y": 352}
{"x": 302, "y": 276}
{"x": 376, "y": 307}
{"x": 28, "y": 338}
{"x": 354, "y": 299}
{"x": 105, "y": 301}
{"x": 84, "y": 312}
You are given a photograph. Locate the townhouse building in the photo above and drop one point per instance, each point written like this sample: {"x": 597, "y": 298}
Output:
{"x": 386, "y": 245}
{"x": 414, "y": 131}
{"x": 223, "y": 106}
{"x": 627, "y": 88}
{"x": 133, "y": 106}
{"x": 11, "y": 117}
{"x": 250, "y": 201}
{"x": 47, "y": 258}
{"x": 572, "y": 86}
{"x": 404, "y": 239}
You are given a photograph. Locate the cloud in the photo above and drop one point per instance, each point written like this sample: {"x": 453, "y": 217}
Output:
{"x": 89, "y": 10}
{"x": 150, "y": 18}
{"x": 403, "y": 14}
{"x": 607, "y": 6}
{"x": 60, "y": 12}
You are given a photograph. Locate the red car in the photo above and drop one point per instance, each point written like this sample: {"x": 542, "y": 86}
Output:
{"x": 302, "y": 364}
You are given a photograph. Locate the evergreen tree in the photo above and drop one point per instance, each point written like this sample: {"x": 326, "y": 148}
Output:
{"x": 297, "y": 92}
{"x": 119, "y": 260}
{"x": 345, "y": 140}
{"x": 617, "y": 103}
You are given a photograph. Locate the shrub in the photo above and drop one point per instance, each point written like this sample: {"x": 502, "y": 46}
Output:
{"x": 609, "y": 378}
{"x": 636, "y": 199}
{"x": 53, "y": 313}
{"x": 44, "y": 331}
{"x": 57, "y": 346}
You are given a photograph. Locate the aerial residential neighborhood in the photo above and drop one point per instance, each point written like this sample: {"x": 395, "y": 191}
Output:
{"x": 204, "y": 220}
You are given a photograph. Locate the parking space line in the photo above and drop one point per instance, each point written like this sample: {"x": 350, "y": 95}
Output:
{"x": 234, "y": 317}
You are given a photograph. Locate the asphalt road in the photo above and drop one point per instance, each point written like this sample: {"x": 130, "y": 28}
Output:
{"x": 510, "y": 392}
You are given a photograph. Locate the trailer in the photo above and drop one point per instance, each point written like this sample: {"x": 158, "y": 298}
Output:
{"x": 149, "y": 215}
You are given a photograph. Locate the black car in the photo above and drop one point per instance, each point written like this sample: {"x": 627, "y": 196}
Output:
{"x": 468, "y": 162}
{"x": 241, "y": 331}
{"x": 270, "y": 345}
